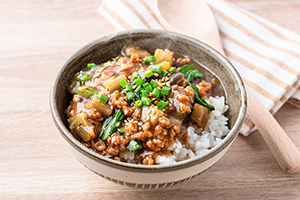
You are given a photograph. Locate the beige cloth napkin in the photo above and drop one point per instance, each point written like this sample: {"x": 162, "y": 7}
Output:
{"x": 266, "y": 55}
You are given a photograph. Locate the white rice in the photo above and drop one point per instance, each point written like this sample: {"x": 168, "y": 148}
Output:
{"x": 200, "y": 140}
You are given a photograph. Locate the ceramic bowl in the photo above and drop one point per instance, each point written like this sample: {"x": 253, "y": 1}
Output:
{"x": 155, "y": 176}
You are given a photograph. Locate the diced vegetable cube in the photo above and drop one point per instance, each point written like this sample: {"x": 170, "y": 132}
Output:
{"x": 104, "y": 109}
{"x": 161, "y": 55}
{"x": 152, "y": 114}
{"x": 200, "y": 115}
{"x": 80, "y": 125}
{"x": 165, "y": 65}
{"x": 113, "y": 83}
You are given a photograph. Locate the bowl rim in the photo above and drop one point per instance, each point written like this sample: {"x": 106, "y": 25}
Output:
{"x": 67, "y": 135}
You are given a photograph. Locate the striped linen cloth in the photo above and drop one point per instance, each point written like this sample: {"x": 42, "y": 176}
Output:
{"x": 266, "y": 55}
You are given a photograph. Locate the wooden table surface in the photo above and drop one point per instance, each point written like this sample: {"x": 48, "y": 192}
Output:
{"x": 36, "y": 37}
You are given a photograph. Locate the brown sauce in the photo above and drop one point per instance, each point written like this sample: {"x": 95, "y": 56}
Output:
{"x": 154, "y": 143}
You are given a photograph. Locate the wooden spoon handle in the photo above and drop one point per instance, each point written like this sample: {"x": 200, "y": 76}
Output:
{"x": 281, "y": 146}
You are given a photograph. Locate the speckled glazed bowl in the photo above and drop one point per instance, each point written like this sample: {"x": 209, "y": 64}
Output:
{"x": 141, "y": 176}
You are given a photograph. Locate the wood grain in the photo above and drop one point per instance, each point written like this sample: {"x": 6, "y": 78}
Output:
{"x": 36, "y": 38}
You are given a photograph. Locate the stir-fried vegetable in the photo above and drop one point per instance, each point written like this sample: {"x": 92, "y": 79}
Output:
{"x": 87, "y": 91}
{"x": 134, "y": 145}
{"x": 82, "y": 76}
{"x": 200, "y": 100}
{"x": 200, "y": 115}
{"x": 136, "y": 103}
{"x": 190, "y": 73}
{"x": 74, "y": 84}
{"x": 112, "y": 125}
{"x": 193, "y": 74}
{"x": 81, "y": 126}
{"x": 99, "y": 106}
{"x": 162, "y": 55}
{"x": 113, "y": 83}
{"x": 186, "y": 68}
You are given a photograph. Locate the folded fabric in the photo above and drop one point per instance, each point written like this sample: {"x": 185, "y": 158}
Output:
{"x": 266, "y": 55}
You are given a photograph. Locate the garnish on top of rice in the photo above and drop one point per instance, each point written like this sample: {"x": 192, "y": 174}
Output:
{"x": 147, "y": 109}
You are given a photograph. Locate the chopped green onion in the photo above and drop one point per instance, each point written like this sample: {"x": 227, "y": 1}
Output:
{"x": 152, "y": 58}
{"x": 103, "y": 98}
{"x": 155, "y": 93}
{"x": 153, "y": 84}
{"x": 148, "y": 74}
{"x": 123, "y": 83}
{"x": 157, "y": 69}
{"x": 128, "y": 56}
{"x": 138, "y": 81}
{"x": 164, "y": 110}
{"x": 138, "y": 103}
{"x": 165, "y": 90}
{"x": 144, "y": 93}
{"x": 134, "y": 145}
{"x": 83, "y": 77}
{"x": 147, "y": 62}
{"x": 90, "y": 65}
{"x": 149, "y": 88}
{"x": 135, "y": 75}
{"x": 138, "y": 89}
{"x": 146, "y": 101}
{"x": 172, "y": 70}
{"x": 164, "y": 73}
{"x": 121, "y": 129}
{"x": 162, "y": 97}
{"x": 146, "y": 85}
{"x": 128, "y": 88}
{"x": 161, "y": 105}
{"x": 167, "y": 102}
{"x": 130, "y": 96}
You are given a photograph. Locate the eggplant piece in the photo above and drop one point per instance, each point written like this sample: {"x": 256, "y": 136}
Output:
{"x": 74, "y": 84}
{"x": 80, "y": 125}
{"x": 177, "y": 79}
{"x": 200, "y": 115}
{"x": 103, "y": 108}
